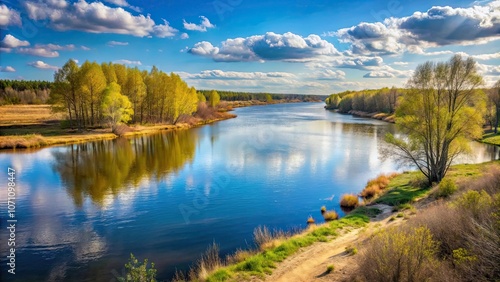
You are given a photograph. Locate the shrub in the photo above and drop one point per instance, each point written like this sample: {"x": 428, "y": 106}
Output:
{"x": 381, "y": 181}
{"x": 310, "y": 220}
{"x": 330, "y": 215}
{"x": 370, "y": 191}
{"x": 323, "y": 209}
{"x": 399, "y": 255}
{"x": 349, "y": 201}
{"x": 474, "y": 202}
{"x": 351, "y": 250}
{"x": 139, "y": 272}
{"x": 446, "y": 188}
{"x": 330, "y": 268}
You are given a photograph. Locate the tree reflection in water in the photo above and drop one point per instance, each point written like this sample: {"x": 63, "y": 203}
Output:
{"x": 99, "y": 169}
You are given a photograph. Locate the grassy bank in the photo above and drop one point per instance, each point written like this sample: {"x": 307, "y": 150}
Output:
{"x": 35, "y": 126}
{"x": 405, "y": 193}
{"x": 491, "y": 138}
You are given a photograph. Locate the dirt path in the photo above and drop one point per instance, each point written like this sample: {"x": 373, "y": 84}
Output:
{"x": 310, "y": 263}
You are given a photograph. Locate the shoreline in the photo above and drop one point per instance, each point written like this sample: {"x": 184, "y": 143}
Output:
{"x": 488, "y": 138}
{"x": 37, "y": 141}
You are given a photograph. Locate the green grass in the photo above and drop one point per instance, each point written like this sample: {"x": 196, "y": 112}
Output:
{"x": 264, "y": 262}
{"x": 491, "y": 138}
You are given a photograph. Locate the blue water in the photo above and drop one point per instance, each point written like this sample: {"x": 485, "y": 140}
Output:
{"x": 82, "y": 209}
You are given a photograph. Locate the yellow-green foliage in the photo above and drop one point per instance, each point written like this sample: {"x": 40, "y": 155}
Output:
{"x": 473, "y": 201}
{"x": 330, "y": 215}
{"x": 399, "y": 255}
{"x": 446, "y": 188}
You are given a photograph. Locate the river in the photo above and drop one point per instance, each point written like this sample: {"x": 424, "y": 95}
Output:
{"x": 82, "y": 209}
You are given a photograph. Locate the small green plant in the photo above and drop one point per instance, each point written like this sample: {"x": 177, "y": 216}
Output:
{"x": 446, "y": 188}
{"x": 330, "y": 215}
{"x": 139, "y": 272}
{"x": 351, "y": 250}
{"x": 461, "y": 255}
{"x": 330, "y": 268}
{"x": 399, "y": 215}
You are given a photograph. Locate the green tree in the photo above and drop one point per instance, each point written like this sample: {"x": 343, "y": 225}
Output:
{"x": 115, "y": 106}
{"x": 213, "y": 99}
{"x": 494, "y": 100}
{"x": 136, "y": 90}
{"x": 66, "y": 91}
{"x": 93, "y": 83}
{"x": 439, "y": 113}
{"x": 201, "y": 97}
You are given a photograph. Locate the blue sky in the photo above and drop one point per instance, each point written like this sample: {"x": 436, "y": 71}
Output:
{"x": 300, "y": 46}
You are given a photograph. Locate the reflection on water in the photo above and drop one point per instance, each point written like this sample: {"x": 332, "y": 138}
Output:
{"x": 105, "y": 168}
{"x": 84, "y": 208}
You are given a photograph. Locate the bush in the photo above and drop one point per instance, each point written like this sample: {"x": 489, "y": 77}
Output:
{"x": 330, "y": 215}
{"x": 351, "y": 250}
{"x": 446, "y": 188}
{"x": 139, "y": 272}
{"x": 474, "y": 202}
{"x": 323, "y": 209}
{"x": 370, "y": 191}
{"x": 330, "y": 268}
{"x": 399, "y": 255}
{"x": 349, "y": 201}
{"x": 310, "y": 220}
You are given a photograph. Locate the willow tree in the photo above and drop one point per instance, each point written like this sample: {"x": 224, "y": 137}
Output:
{"x": 115, "y": 106}
{"x": 441, "y": 111}
{"x": 213, "y": 99}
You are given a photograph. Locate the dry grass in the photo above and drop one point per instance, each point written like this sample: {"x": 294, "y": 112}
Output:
{"x": 349, "y": 201}
{"x": 27, "y": 114}
{"x": 377, "y": 185}
{"x": 330, "y": 215}
{"x": 266, "y": 239}
{"x": 310, "y": 220}
{"x": 207, "y": 264}
{"x": 370, "y": 191}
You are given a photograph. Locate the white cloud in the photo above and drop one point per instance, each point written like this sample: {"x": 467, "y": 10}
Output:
{"x": 219, "y": 74}
{"x": 267, "y": 47}
{"x": 124, "y": 3}
{"x": 38, "y": 51}
{"x": 328, "y": 74}
{"x": 127, "y": 62}
{"x": 116, "y": 43}
{"x": 42, "y": 65}
{"x": 7, "y": 69}
{"x": 10, "y": 41}
{"x": 95, "y": 17}
{"x": 184, "y": 36}
{"x": 379, "y": 74}
{"x": 439, "y": 26}
{"x": 204, "y": 24}
{"x": 85, "y": 48}
{"x": 401, "y": 63}
{"x": 485, "y": 57}
{"x": 9, "y": 16}
{"x": 488, "y": 69}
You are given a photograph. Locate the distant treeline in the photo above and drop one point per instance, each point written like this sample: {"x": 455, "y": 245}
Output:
{"x": 265, "y": 97}
{"x": 376, "y": 100}
{"x": 24, "y": 91}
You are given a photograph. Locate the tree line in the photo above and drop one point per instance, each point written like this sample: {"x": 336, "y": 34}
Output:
{"x": 264, "y": 97}
{"x": 24, "y": 92}
{"x": 95, "y": 93}
{"x": 378, "y": 100}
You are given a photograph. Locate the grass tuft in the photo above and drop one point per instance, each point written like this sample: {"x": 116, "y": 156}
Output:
{"x": 330, "y": 215}
{"x": 349, "y": 201}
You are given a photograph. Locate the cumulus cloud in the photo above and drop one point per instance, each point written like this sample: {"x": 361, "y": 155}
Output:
{"x": 9, "y": 16}
{"x": 116, "y": 43}
{"x": 95, "y": 17}
{"x": 267, "y": 47}
{"x": 485, "y": 57}
{"x": 38, "y": 51}
{"x": 10, "y": 41}
{"x": 42, "y": 65}
{"x": 401, "y": 63}
{"x": 184, "y": 36}
{"x": 378, "y": 74}
{"x": 124, "y": 3}
{"x": 7, "y": 69}
{"x": 219, "y": 74}
{"x": 204, "y": 24}
{"x": 329, "y": 75}
{"x": 438, "y": 26}
{"x": 360, "y": 62}
{"x": 128, "y": 62}
{"x": 488, "y": 70}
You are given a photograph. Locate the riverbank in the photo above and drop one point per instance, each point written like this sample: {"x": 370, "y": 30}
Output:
{"x": 35, "y": 126}
{"x": 341, "y": 243}
{"x": 491, "y": 138}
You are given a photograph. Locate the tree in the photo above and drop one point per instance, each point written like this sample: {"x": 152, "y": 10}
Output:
{"x": 439, "y": 113}
{"x": 201, "y": 97}
{"x": 136, "y": 90}
{"x": 93, "y": 83}
{"x": 115, "y": 106}
{"x": 213, "y": 99}
{"x": 494, "y": 99}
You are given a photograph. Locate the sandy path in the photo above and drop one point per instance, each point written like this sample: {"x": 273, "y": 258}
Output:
{"x": 310, "y": 263}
